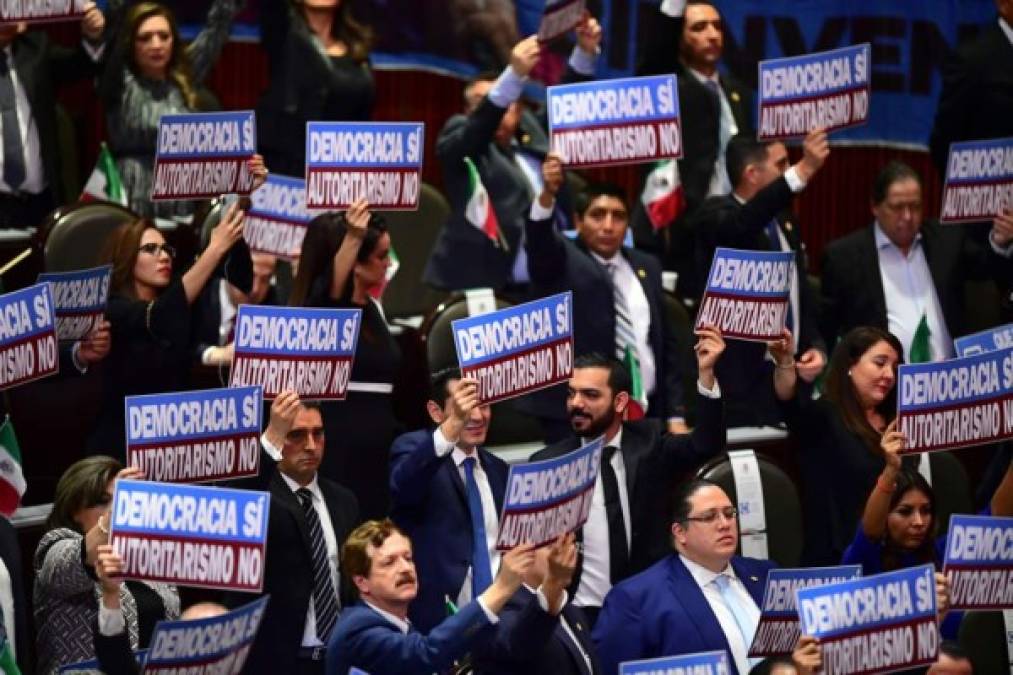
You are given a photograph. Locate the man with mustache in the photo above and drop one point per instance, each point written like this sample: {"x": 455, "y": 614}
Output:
{"x": 624, "y": 533}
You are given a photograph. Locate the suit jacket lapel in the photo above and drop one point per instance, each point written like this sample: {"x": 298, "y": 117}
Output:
{"x": 871, "y": 263}
{"x": 496, "y": 484}
{"x": 929, "y": 247}
{"x": 23, "y": 54}
{"x": 753, "y": 583}
{"x": 685, "y": 589}
{"x": 281, "y": 492}
{"x": 578, "y": 625}
{"x": 632, "y": 454}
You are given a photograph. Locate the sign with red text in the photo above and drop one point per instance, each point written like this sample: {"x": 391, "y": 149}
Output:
{"x": 277, "y": 220}
{"x": 204, "y": 155}
{"x": 40, "y": 11}
{"x": 28, "y": 342}
{"x": 560, "y": 16}
{"x": 747, "y": 294}
{"x": 979, "y": 181}
{"x": 80, "y": 299}
{"x": 979, "y": 562}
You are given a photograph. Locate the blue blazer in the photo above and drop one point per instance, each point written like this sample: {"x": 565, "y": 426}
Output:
{"x": 662, "y": 612}
{"x": 430, "y": 504}
{"x": 364, "y": 639}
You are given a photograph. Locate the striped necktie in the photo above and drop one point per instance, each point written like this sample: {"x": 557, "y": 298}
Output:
{"x": 325, "y": 599}
{"x": 624, "y": 321}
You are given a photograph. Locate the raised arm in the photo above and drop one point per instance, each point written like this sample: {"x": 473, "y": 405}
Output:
{"x": 785, "y": 374}
{"x": 356, "y": 221}
{"x": 223, "y": 237}
{"x": 203, "y": 52}
{"x": 877, "y": 507}
{"x": 546, "y": 250}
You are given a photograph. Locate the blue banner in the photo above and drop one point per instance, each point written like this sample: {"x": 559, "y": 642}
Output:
{"x": 80, "y": 299}
{"x": 979, "y": 562}
{"x": 90, "y": 667}
{"x": 195, "y": 436}
{"x": 303, "y": 349}
{"x": 957, "y": 403}
{"x": 277, "y": 219}
{"x": 210, "y": 537}
{"x": 701, "y": 663}
{"x": 779, "y": 630}
{"x": 876, "y": 624}
{"x": 979, "y": 181}
{"x": 747, "y": 293}
{"x": 218, "y": 644}
{"x": 548, "y": 498}
{"x": 828, "y": 90}
{"x": 378, "y": 161}
{"x": 986, "y": 341}
{"x": 517, "y": 349}
{"x": 204, "y": 155}
{"x": 28, "y": 343}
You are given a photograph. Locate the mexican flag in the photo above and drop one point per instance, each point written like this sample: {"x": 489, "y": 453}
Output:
{"x": 638, "y": 397}
{"x": 662, "y": 197}
{"x": 8, "y": 665}
{"x": 921, "y": 348}
{"x": 395, "y": 264}
{"x": 104, "y": 182}
{"x": 12, "y": 482}
{"x": 478, "y": 210}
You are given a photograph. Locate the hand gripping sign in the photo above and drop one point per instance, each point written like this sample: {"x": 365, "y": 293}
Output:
{"x": 876, "y": 624}
{"x": 306, "y": 350}
{"x": 957, "y": 403}
{"x": 377, "y": 161}
{"x": 518, "y": 349}
{"x": 548, "y": 498}
{"x": 559, "y": 17}
{"x": 80, "y": 299}
{"x": 989, "y": 340}
{"x": 979, "y": 562}
{"x": 28, "y": 344}
{"x": 701, "y": 663}
{"x": 825, "y": 90}
{"x": 979, "y": 181}
{"x": 747, "y": 294}
{"x": 219, "y": 644}
{"x": 779, "y": 629}
{"x": 40, "y": 11}
{"x": 191, "y": 535}
{"x": 609, "y": 122}
{"x": 204, "y": 155}
{"x": 276, "y": 222}
{"x": 195, "y": 436}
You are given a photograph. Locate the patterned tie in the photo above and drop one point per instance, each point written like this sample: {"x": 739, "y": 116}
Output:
{"x": 325, "y": 599}
{"x": 743, "y": 619}
{"x": 481, "y": 567}
{"x": 13, "y": 149}
{"x": 624, "y": 321}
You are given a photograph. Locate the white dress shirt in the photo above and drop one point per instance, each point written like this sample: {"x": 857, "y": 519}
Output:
{"x": 703, "y": 578}
{"x": 719, "y": 182}
{"x": 910, "y": 293}
{"x": 1007, "y": 29}
{"x": 490, "y": 515}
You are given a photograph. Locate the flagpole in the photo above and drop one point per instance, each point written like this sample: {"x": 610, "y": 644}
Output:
{"x": 15, "y": 261}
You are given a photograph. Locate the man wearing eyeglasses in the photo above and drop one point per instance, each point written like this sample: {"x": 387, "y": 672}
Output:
{"x": 310, "y": 515}
{"x": 700, "y": 598}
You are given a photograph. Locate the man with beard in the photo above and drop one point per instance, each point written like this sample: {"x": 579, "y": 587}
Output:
{"x": 626, "y": 530}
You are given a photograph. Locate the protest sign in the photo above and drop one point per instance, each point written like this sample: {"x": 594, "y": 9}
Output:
{"x": 747, "y": 293}
{"x": 989, "y": 340}
{"x": 979, "y": 181}
{"x": 28, "y": 343}
{"x": 91, "y": 666}
{"x": 956, "y": 404}
{"x": 517, "y": 349}
{"x": 701, "y": 663}
{"x": 40, "y": 11}
{"x": 825, "y": 90}
{"x": 276, "y": 222}
{"x": 779, "y": 629}
{"x": 307, "y": 350}
{"x": 559, "y": 17}
{"x": 219, "y": 644}
{"x": 608, "y": 122}
{"x": 204, "y": 155}
{"x": 979, "y": 562}
{"x": 79, "y": 299}
{"x": 876, "y": 624}
{"x": 548, "y": 498}
{"x": 195, "y": 436}
{"x": 192, "y": 535}
{"x": 377, "y": 161}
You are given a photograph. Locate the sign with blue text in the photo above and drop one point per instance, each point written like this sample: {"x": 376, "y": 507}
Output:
{"x": 191, "y": 535}
{"x": 875, "y": 624}
{"x": 979, "y": 181}
{"x": 701, "y": 663}
{"x": 608, "y": 122}
{"x": 380, "y": 162}
{"x": 747, "y": 294}
{"x": 307, "y": 350}
{"x": 277, "y": 220}
{"x": 989, "y": 340}
{"x": 80, "y": 299}
{"x": 518, "y": 349}
{"x": 203, "y": 155}
{"x": 28, "y": 342}
{"x": 195, "y": 436}
{"x": 979, "y": 562}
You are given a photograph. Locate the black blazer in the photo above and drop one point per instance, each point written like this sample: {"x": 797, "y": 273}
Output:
{"x": 653, "y": 461}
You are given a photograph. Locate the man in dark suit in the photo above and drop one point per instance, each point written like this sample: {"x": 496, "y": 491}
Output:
{"x": 506, "y": 144}
{"x": 30, "y": 68}
{"x": 902, "y": 271}
{"x": 700, "y": 598}
{"x": 447, "y": 493}
{"x": 310, "y": 516}
{"x": 713, "y": 106}
{"x": 755, "y": 217}
{"x": 618, "y": 302}
{"x": 626, "y": 530}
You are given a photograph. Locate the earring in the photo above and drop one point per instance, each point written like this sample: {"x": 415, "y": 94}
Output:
{"x": 849, "y": 372}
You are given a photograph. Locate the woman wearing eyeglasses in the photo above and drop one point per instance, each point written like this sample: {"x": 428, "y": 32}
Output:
{"x": 66, "y": 588}
{"x": 150, "y": 313}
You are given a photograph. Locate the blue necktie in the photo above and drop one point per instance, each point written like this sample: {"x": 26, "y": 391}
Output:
{"x": 481, "y": 568}
{"x": 13, "y": 148}
{"x": 743, "y": 619}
